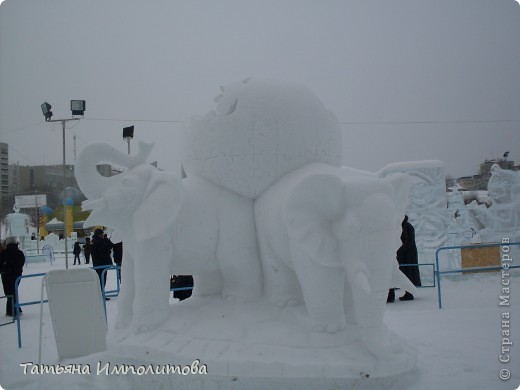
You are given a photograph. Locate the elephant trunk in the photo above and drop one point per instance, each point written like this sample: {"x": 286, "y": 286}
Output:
{"x": 90, "y": 181}
{"x": 94, "y": 204}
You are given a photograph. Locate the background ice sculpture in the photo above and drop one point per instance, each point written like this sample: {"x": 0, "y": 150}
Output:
{"x": 426, "y": 207}
{"x": 262, "y": 172}
{"x": 461, "y": 227}
{"x": 502, "y": 218}
{"x": 17, "y": 225}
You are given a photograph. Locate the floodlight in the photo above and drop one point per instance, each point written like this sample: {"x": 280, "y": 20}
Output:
{"x": 128, "y": 132}
{"x": 77, "y": 107}
{"x": 46, "y": 109}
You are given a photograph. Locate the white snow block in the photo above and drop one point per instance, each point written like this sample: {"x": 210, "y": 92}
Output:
{"x": 77, "y": 312}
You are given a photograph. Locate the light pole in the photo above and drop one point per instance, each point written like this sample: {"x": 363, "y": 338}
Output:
{"x": 78, "y": 108}
{"x": 128, "y": 134}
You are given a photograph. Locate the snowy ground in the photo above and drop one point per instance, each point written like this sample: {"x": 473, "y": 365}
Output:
{"x": 458, "y": 347}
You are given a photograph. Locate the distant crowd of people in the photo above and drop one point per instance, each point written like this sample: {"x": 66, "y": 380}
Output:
{"x": 12, "y": 260}
{"x": 101, "y": 248}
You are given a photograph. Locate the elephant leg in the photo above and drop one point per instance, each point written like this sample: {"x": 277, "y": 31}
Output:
{"x": 369, "y": 309}
{"x": 151, "y": 302}
{"x": 281, "y": 284}
{"x": 322, "y": 288}
{"x": 237, "y": 251}
{"x": 127, "y": 292}
{"x": 241, "y": 274}
{"x": 368, "y": 256}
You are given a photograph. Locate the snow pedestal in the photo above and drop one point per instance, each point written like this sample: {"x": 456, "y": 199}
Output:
{"x": 256, "y": 344}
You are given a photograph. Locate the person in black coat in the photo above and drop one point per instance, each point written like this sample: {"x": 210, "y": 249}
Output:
{"x": 101, "y": 247}
{"x": 118, "y": 256}
{"x": 12, "y": 261}
{"x": 76, "y": 251}
{"x": 407, "y": 254}
{"x": 118, "y": 253}
{"x": 87, "y": 247}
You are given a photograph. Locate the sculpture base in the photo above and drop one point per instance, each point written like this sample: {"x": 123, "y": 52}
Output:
{"x": 257, "y": 343}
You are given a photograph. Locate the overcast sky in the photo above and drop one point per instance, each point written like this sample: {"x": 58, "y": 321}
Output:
{"x": 408, "y": 79}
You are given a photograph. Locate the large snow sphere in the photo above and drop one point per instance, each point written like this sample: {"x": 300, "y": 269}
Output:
{"x": 260, "y": 131}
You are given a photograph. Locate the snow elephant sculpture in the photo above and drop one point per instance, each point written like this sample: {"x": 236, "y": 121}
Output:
{"x": 329, "y": 236}
{"x": 169, "y": 226}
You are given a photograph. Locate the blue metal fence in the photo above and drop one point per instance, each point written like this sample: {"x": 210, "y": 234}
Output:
{"x": 18, "y": 304}
{"x": 111, "y": 293}
{"x": 12, "y": 311}
{"x": 438, "y": 272}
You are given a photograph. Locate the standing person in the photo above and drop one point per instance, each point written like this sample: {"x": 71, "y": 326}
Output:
{"x": 118, "y": 256}
{"x": 101, "y": 247}
{"x": 76, "y": 250}
{"x": 407, "y": 254}
{"x": 87, "y": 248}
{"x": 12, "y": 261}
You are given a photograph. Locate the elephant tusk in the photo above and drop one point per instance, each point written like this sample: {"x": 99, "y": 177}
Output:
{"x": 93, "y": 204}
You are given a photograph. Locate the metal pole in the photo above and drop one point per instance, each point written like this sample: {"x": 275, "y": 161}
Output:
{"x": 37, "y": 223}
{"x": 438, "y": 276}
{"x": 74, "y": 136}
{"x": 128, "y": 140}
{"x": 64, "y": 199}
{"x": 63, "y": 121}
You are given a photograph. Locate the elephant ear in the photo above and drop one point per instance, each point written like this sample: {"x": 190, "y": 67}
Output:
{"x": 161, "y": 205}
{"x": 309, "y": 211}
